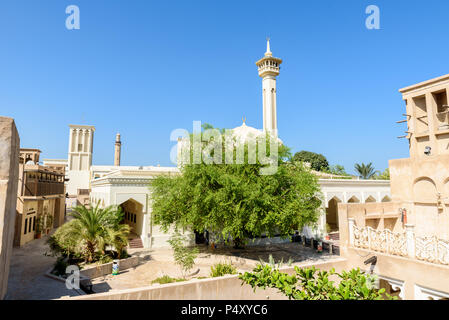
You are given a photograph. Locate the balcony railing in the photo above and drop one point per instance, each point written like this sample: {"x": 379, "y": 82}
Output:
{"x": 430, "y": 249}
{"x": 43, "y": 188}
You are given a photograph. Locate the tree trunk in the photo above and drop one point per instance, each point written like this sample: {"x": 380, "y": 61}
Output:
{"x": 90, "y": 251}
{"x": 239, "y": 243}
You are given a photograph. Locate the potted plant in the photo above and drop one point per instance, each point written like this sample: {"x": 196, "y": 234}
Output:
{"x": 319, "y": 244}
{"x": 39, "y": 227}
{"x": 328, "y": 230}
{"x": 49, "y": 223}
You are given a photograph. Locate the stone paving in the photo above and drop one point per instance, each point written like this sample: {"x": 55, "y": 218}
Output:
{"x": 27, "y": 280}
{"x": 157, "y": 263}
{"x": 26, "y": 276}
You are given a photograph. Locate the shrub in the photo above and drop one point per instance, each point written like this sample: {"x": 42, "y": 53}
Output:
{"x": 220, "y": 269}
{"x": 313, "y": 284}
{"x": 184, "y": 256}
{"x": 276, "y": 265}
{"x": 166, "y": 279}
{"x": 317, "y": 161}
{"x": 60, "y": 267}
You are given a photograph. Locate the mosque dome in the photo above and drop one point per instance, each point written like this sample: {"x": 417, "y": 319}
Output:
{"x": 245, "y": 133}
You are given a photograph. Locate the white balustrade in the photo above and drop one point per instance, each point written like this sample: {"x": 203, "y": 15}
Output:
{"x": 430, "y": 249}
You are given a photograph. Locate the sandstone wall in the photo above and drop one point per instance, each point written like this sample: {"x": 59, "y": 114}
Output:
{"x": 9, "y": 171}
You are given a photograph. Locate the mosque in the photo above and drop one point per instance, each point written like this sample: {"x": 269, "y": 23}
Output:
{"x": 127, "y": 186}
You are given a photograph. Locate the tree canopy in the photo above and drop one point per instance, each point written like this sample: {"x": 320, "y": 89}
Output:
{"x": 317, "y": 161}
{"x": 234, "y": 201}
{"x": 365, "y": 171}
{"x": 383, "y": 176}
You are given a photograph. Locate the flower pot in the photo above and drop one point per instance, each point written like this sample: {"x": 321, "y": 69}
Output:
{"x": 38, "y": 235}
{"x": 327, "y": 238}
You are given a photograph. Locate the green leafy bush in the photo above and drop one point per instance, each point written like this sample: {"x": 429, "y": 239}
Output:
{"x": 166, "y": 279}
{"x": 184, "y": 256}
{"x": 220, "y": 269}
{"x": 317, "y": 161}
{"x": 60, "y": 266}
{"x": 313, "y": 284}
{"x": 276, "y": 265}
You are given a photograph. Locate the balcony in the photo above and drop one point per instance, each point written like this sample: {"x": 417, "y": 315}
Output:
{"x": 43, "y": 188}
{"x": 406, "y": 244}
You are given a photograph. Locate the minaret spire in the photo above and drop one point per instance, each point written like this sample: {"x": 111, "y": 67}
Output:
{"x": 268, "y": 53}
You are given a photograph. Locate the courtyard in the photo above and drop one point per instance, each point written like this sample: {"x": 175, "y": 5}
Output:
{"x": 159, "y": 262}
{"x": 27, "y": 280}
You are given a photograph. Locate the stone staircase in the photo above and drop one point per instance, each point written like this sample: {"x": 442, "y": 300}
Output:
{"x": 334, "y": 236}
{"x": 135, "y": 243}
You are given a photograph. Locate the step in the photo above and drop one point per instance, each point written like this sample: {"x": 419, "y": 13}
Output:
{"x": 135, "y": 243}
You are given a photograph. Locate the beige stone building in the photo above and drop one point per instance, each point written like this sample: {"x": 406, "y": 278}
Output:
{"x": 40, "y": 198}
{"x": 409, "y": 235}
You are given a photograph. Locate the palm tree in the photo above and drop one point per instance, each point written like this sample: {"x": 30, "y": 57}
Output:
{"x": 365, "y": 171}
{"x": 95, "y": 227}
{"x": 118, "y": 237}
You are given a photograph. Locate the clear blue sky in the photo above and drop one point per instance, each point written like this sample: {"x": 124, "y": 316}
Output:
{"x": 144, "y": 68}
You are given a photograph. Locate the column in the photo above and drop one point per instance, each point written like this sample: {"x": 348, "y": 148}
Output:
{"x": 410, "y": 237}
{"x": 84, "y": 140}
{"x": 351, "y": 224}
{"x": 412, "y": 126}
{"x": 433, "y": 122}
{"x": 76, "y": 165}
{"x": 89, "y": 148}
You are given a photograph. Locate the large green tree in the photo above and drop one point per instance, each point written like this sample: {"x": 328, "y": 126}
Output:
{"x": 234, "y": 201}
{"x": 317, "y": 161}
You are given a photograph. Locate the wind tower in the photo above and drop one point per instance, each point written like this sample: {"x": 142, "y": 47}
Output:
{"x": 268, "y": 68}
{"x": 81, "y": 140}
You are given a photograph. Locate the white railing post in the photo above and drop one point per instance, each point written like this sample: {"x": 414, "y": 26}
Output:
{"x": 410, "y": 237}
{"x": 351, "y": 223}
{"x": 387, "y": 241}
{"x": 368, "y": 231}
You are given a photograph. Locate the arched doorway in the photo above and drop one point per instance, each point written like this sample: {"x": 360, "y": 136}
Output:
{"x": 332, "y": 215}
{"x": 133, "y": 216}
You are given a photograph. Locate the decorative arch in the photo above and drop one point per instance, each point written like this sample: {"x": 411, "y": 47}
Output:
{"x": 353, "y": 199}
{"x": 332, "y": 195}
{"x": 138, "y": 197}
{"x": 133, "y": 215}
{"x": 332, "y": 214}
{"x": 370, "y": 198}
{"x": 425, "y": 190}
{"x": 386, "y": 199}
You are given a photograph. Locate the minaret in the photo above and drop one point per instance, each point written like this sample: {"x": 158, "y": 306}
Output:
{"x": 268, "y": 68}
{"x": 118, "y": 146}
